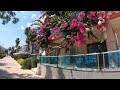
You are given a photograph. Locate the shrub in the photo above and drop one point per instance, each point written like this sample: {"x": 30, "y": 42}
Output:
{"x": 2, "y": 56}
{"x": 34, "y": 62}
{"x": 19, "y": 56}
{"x": 24, "y": 56}
{"x": 20, "y": 61}
{"x": 26, "y": 63}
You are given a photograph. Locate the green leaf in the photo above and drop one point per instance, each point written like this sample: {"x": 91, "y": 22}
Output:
{"x": 15, "y": 20}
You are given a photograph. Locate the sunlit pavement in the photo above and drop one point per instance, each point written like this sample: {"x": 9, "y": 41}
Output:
{"x": 10, "y": 69}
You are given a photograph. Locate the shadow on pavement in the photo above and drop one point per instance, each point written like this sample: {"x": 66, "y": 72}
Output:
{"x": 2, "y": 64}
{"x": 6, "y": 75}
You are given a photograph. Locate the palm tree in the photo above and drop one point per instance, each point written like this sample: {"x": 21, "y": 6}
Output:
{"x": 12, "y": 50}
{"x": 27, "y": 29}
{"x": 17, "y": 41}
{"x": 9, "y": 49}
{"x": 6, "y": 51}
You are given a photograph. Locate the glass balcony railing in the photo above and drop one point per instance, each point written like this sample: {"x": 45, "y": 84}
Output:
{"x": 79, "y": 61}
{"x": 65, "y": 61}
{"x": 112, "y": 59}
{"x": 51, "y": 60}
{"x": 105, "y": 60}
{"x": 87, "y": 61}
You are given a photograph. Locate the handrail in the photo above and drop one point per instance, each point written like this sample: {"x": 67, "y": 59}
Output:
{"x": 72, "y": 55}
{"x": 111, "y": 51}
{"x": 84, "y": 54}
{"x": 48, "y": 56}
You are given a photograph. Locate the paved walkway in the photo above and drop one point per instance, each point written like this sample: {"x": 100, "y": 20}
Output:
{"x": 10, "y": 69}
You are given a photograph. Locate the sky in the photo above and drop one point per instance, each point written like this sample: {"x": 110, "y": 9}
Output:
{"x": 9, "y": 32}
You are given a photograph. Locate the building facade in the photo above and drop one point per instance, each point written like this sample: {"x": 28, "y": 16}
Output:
{"x": 109, "y": 40}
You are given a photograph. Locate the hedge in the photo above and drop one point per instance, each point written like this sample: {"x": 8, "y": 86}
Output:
{"x": 28, "y": 63}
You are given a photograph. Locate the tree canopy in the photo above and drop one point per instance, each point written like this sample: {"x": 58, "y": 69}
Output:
{"x": 7, "y": 16}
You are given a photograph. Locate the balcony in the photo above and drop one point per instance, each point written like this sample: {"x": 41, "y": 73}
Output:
{"x": 108, "y": 61}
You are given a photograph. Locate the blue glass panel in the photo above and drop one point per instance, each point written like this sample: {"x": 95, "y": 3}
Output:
{"x": 49, "y": 60}
{"x": 43, "y": 59}
{"x": 66, "y": 61}
{"x": 53, "y": 60}
{"x": 114, "y": 59}
{"x": 87, "y": 61}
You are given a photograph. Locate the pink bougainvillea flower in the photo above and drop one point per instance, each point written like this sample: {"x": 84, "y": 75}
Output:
{"x": 58, "y": 31}
{"x": 80, "y": 24}
{"x": 80, "y": 16}
{"x": 102, "y": 14}
{"x": 114, "y": 12}
{"x": 79, "y": 43}
{"x": 82, "y": 30}
{"x": 92, "y": 15}
{"x": 74, "y": 21}
{"x": 74, "y": 38}
{"x": 107, "y": 18}
{"x": 73, "y": 25}
{"x": 64, "y": 26}
{"x": 99, "y": 14}
{"x": 50, "y": 37}
{"x": 54, "y": 29}
{"x": 43, "y": 27}
{"x": 80, "y": 37}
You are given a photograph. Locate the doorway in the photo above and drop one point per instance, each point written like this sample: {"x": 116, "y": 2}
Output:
{"x": 98, "y": 48}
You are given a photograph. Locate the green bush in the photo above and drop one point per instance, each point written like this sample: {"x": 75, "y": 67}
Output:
{"x": 19, "y": 56}
{"x": 20, "y": 61}
{"x": 26, "y": 64}
{"x": 2, "y": 56}
{"x": 34, "y": 62}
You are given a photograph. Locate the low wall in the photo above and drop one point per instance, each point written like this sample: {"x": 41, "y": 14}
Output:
{"x": 54, "y": 73}
{"x": 50, "y": 72}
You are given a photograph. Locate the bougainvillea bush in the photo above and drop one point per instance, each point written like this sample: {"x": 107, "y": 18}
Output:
{"x": 74, "y": 26}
